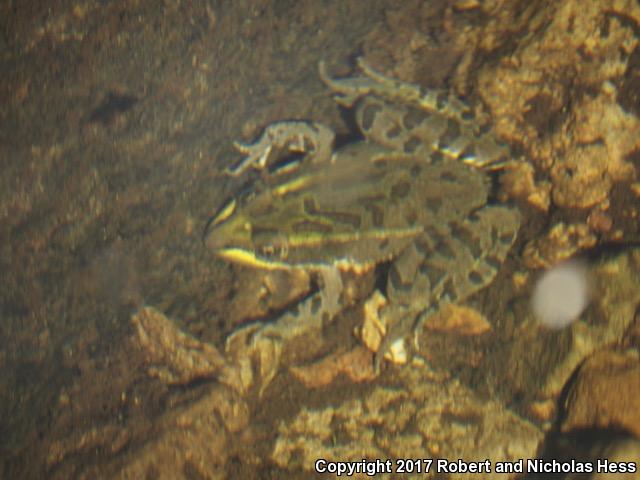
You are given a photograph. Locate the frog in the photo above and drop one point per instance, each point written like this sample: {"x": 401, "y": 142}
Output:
{"x": 411, "y": 194}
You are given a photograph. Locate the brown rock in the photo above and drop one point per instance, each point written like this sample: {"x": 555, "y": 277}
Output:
{"x": 175, "y": 356}
{"x": 193, "y": 441}
{"x": 518, "y": 182}
{"x": 458, "y": 319}
{"x": 356, "y": 364}
{"x": 561, "y": 242}
{"x": 606, "y": 393}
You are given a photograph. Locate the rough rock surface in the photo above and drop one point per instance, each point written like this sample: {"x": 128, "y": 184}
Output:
{"x": 606, "y": 393}
{"x": 424, "y": 416}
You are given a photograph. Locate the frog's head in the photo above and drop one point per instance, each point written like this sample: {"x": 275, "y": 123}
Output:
{"x": 250, "y": 233}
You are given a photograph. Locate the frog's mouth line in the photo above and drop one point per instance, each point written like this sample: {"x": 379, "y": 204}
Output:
{"x": 247, "y": 258}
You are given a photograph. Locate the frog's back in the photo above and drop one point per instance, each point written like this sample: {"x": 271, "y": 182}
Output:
{"x": 362, "y": 209}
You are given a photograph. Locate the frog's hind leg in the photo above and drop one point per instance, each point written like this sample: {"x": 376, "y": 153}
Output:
{"x": 409, "y": 130}
{"x": 404, "y": 129}
{"x": 467, "y": 258}
{"x": 348, "y": 90}
{"x": 411, "y": 119}
{"x": 448, "y": 263}
{"x": 296, "y": 136}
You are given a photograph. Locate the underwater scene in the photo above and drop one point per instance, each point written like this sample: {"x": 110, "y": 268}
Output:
{"x": 320, "y": 238}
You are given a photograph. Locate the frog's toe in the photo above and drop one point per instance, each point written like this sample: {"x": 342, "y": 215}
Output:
{"x": 256, "y": 155}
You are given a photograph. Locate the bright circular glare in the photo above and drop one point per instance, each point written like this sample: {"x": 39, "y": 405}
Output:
{"x": 561, "y": 294}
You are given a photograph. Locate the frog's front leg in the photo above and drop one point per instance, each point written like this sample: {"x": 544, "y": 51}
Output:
{"x": 257, "y": 350}
{"x": 296, "y": 136}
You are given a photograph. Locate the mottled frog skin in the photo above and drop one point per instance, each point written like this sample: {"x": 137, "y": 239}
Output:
{"x": 412, "y": 193}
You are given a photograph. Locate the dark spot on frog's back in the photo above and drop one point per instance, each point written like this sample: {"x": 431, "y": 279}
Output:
{"x": 448, "y": 176}
{"x": 413, "y": 118}
{"x": 474, "y": 217}
{"x": 411, "y": 145}
{"x": 400, "y": 190}
{"x": 394, "y": 132}
{"x": 369, "y": 113}
{"x": 443, "y": 247}
{"x": 493, "y": 262}
{"x": 436, "y": 157}
{"x": 113, "y": 105}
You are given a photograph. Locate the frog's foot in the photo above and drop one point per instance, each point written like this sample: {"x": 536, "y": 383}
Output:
{"x": 295, "y": 136}
{"x": 384, "y": 330}
{"x": 402, "y": 324}
{"x": 348, "y": 90}
{"x": 255, "y": 356}
{"x": 429, "y": 99}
